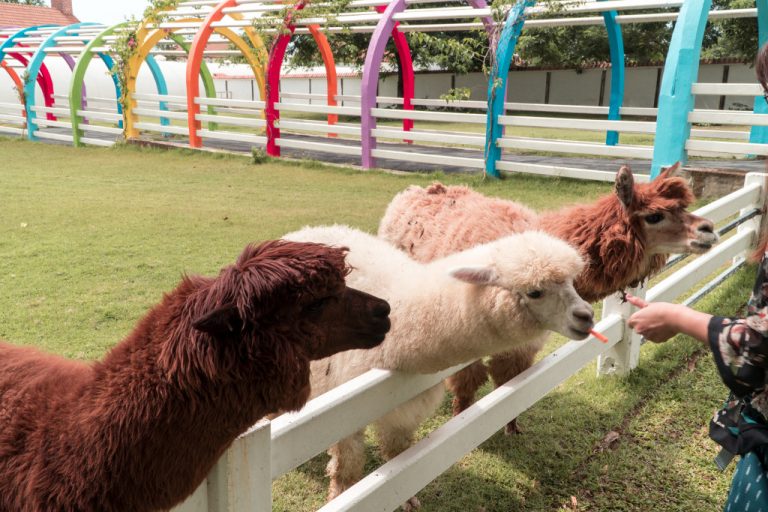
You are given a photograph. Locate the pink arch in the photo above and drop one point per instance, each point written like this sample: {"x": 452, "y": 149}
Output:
{"x": 373, "y": 60}
{"x": 406, "y": 69}
{"x": 276, "y": 56}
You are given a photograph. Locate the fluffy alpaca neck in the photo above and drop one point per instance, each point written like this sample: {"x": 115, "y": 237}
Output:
{"x": 439, "y": 322}
{"x": 143, "y": 426}
{"x": 589, "y": 228}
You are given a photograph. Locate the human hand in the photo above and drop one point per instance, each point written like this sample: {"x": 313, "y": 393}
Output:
{"x": 655, "y": 321}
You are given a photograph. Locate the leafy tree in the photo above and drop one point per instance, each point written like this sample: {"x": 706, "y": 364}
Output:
{"x": 574, "y": 47}
{"x": 734, "y": 38}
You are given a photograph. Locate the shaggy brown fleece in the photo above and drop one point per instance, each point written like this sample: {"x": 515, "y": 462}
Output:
{"x": 140, "y": 430}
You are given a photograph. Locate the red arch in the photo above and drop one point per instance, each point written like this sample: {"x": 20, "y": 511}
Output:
{"x": 43, "y": 79}
{"x": 275, "y": 64}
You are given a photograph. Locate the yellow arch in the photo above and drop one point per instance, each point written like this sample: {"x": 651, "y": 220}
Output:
{"x": 148, "y": 39}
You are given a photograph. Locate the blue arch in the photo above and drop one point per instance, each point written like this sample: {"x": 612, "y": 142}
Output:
{"x": 40, "y": 54}
{"x": 33, "y": 68}
{"x": 11, "y": 41}
{"x": 160, "y": 83}
{"x": 675, "y": 95}
{"x": 759, "y": 134}
{"x": 110, "y": 65}
{"x": 497, "y": 82}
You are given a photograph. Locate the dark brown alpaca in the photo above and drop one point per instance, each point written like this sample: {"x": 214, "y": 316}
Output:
{"x": 624, "y": 237}
{"x": 140, "y": 430}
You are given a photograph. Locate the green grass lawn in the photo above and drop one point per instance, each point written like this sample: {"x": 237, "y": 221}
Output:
{"x": 90, "y": 238}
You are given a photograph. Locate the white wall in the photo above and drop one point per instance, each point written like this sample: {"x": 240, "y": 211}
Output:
{"x": 639, "y": 86}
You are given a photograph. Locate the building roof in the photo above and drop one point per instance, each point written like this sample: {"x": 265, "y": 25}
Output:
{"x": 22, "y": 15}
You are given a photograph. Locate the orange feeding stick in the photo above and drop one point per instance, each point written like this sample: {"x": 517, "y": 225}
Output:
{"x": 598, "y": 335}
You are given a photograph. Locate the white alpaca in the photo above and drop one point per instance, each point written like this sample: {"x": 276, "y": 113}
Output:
{"x": 468, "y": 305}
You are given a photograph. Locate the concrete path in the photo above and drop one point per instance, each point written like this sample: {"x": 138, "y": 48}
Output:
{"x": 602, "y": 164}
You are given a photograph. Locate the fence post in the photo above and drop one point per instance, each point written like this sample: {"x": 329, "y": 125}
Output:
{"x": 242, "y": 479}
{"x": 624, "y": 355}
{"x": 198, "y": 502}
{"x": 754, "y": 223}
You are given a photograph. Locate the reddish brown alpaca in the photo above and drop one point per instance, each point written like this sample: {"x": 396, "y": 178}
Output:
{"x": 624, "y": 238}
{"x": 141, "y": 429}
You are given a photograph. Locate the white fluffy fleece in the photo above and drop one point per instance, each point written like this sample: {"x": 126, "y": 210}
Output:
{"x": 465, "y": 306}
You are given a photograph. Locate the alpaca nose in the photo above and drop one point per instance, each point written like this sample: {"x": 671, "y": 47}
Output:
{"x": 584, "y": 314}
{"x": 706, "y": 227}
{"x": 381, "y": 309}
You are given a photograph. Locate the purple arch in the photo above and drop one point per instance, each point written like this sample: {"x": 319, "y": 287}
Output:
{"x": 373, "y": 60}
{"x": 71, "y": 63}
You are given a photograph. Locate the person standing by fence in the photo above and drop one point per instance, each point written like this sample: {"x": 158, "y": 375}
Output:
{"x": 740, "y": 349}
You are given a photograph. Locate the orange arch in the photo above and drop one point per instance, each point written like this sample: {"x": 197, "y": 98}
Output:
{"x": 330, "y": 68}
{"x": 196, "y": 57}
{"x": 16, "y": 80}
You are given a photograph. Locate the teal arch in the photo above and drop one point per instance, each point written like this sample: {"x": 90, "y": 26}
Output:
{"x": 616, "y": 44}
{"x": 675, "y": 95}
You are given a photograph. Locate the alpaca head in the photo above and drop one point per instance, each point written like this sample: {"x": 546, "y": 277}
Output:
{"x": 537, "y": 272}
{"x": 656, "y": 212}
{"x": 279, "y": 306}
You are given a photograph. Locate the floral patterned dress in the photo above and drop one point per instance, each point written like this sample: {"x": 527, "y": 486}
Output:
{"x": 740, "y": 349}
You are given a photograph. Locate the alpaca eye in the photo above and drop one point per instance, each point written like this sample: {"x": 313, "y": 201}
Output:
{"x": 318, "y": 305}
{"x": 654, "y": 218}
{"x": 535, "y": 294}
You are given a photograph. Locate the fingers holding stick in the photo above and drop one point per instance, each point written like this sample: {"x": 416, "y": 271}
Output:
{"x": 636, "y": 301}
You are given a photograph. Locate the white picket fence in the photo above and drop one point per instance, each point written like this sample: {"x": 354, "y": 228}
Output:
{"x": 241, "y": 481}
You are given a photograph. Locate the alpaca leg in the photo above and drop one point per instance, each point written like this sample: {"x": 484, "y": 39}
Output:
{"x": 507, "y": 365}
{"x": 465, "y": 383}
{"x": 347, "y": 463}
{"x": 393, "y": 440}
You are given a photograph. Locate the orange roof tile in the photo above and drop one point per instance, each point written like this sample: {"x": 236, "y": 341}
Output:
{"x": 22, "y": 15}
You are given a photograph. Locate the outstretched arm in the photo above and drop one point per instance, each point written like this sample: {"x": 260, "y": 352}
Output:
{"x": 659, "y": 321}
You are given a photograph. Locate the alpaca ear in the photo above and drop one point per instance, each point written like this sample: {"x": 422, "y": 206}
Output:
{"x": 222, "y": 321}
{"x": 481, "y": 276}
{"x": 673, "y": 171}
{"x": 625, "y": 186}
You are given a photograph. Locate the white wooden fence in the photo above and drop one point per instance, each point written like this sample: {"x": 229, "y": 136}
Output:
{"x": 241, "y": 481}
{"x": 464, "y": 127}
